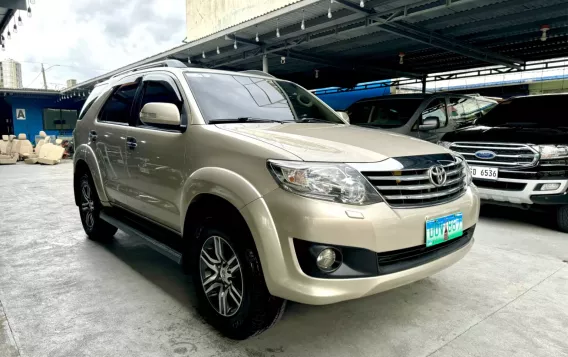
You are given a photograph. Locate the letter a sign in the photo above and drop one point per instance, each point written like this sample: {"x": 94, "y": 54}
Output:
{"x": 20, "y": 114}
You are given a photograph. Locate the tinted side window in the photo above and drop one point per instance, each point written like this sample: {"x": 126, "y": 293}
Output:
{"x": 160, "y": 92}
{"x": 436, "y": 108}
{"x": 392, "y": 113}
{"x": 359, "y": 113}
{"x": 118, "y": 106}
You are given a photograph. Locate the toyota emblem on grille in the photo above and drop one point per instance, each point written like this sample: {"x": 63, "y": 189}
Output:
{"x": 437, "y": 175}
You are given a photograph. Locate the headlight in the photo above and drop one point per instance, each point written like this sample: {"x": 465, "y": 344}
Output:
{"x": 445, "y": 144}
{"x": 552, "y": 151}
{"x": 329, "y": 182}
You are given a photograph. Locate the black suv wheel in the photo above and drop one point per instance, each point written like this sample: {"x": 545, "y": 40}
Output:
{"x": 229, "y": 283}
{"x": 90, "y": 209}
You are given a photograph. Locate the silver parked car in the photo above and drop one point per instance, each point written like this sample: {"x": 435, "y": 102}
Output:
{"x": 424, "y": 116}
{"x": 263, "y": 192}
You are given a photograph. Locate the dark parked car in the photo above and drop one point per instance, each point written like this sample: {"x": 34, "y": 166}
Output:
{"x": 518, "y": 153}
{"x": 424, "y": 116}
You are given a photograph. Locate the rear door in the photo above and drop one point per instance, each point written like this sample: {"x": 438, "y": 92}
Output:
{"x": 108, "y": 136}
{"x": 157, "y": 154}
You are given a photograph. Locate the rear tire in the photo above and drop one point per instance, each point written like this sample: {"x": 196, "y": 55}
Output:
{"x": 562, "y": 218}
{"x": 229, "y": 282}
{"x": 90, "y": 209}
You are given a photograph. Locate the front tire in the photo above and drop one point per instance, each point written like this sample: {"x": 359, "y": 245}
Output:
{"x": 562, "y": 218}
{"x": 90, "y": 209}
{"x": 229, "y": 283}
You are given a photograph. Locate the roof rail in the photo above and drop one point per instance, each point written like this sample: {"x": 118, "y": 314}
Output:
{"x": 166, "y": 63}
{"x": 258, "y": 73}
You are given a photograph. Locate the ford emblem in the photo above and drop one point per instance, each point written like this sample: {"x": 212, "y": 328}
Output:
{"x": 485, "y": 154}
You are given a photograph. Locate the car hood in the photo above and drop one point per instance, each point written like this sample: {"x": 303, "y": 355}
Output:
{"x": 335, "y": 142}
{"x": 537, "y": 136}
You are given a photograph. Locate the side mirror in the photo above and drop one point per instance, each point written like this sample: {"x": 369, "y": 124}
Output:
{"x": 429, "y": 123}
{"x": 160, "y": 113}
{"x": 344, "y": 116}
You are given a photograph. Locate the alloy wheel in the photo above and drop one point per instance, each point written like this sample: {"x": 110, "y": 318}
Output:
{"x": 87, "y": 204}
{"x": 221, "y": 276}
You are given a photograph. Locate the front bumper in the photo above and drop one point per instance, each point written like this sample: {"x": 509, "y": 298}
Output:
{"x": 529, "y": 194}
{"x": 280, "y": 217}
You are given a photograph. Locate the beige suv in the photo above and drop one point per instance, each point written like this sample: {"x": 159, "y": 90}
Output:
{"x": 263, "y": 192}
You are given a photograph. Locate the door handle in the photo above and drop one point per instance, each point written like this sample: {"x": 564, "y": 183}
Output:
{"x": 131, "y": 142}
{"x": 92, "y": 135}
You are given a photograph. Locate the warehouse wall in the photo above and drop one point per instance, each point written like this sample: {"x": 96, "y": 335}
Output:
{"x": 207, "y": 17}
{"x": 33, "y": 107}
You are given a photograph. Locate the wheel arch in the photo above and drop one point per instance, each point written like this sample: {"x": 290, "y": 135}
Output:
{"x": 85, "y": 159}
{"x": 216, "y": 183}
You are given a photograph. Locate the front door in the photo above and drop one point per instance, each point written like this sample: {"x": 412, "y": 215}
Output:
{"x": 156, "y": 156}
{"x": 108, "y": 138}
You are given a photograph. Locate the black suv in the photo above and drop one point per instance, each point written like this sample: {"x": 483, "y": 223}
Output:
{"x": 518, "y": 153}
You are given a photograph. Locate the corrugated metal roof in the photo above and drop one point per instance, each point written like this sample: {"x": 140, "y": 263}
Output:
{"x": 358, "y": 45}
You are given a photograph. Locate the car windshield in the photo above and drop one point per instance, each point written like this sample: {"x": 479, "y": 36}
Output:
{"x": 539, "y": 111}
{"x": 383, "y": 113}
{"x": 241, "y": 98}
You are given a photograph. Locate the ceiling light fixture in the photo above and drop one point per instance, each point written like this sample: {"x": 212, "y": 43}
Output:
{"x": 256, "y": 38}
{"x": 218, "y": 50}
{"x": 20, "y": 22}
{"x": 303, "y": 25}
{"x": 235, "y": 44}
{"x": 15, "y": 28}
{"x": 277, "y": 29}
{"x": 203, "y": 54}
{"x": 401, "y": 58}
{"x": 9, "y": 35}
{"x": 544, "y": 29}
{"x": 362, "y": 3}
{"x": 329, "y": 15}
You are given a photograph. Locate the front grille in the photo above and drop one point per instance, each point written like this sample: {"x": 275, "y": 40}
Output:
{"x": 402, "y": 259}
{"x": 507, "y": 155}
{"x": 413, "y": 188}
{"x": 500, "y": 185}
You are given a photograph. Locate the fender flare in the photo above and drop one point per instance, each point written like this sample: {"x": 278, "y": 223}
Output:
{"x": 220, "y": 182}
{"x": 85, "y": 153}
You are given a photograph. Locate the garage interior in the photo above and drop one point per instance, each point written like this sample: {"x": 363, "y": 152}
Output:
{"x": 64, "y": 295}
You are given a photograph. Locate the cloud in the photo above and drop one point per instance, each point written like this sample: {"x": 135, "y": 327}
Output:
{"x": 87, "y": 38}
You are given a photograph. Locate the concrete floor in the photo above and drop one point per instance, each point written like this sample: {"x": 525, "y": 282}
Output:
{"x": 63, "y": 295}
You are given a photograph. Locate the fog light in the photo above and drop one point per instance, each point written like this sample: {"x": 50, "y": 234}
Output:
{"x": 326, "y": 259}
{"x": 550, "y": 187}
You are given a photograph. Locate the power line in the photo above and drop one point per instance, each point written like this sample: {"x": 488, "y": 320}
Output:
{"x": 66, "y": 65}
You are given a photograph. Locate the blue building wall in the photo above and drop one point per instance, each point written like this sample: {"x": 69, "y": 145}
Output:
{"x": 34, "y": 107}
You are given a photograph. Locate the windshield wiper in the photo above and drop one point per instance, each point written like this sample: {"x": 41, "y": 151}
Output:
{"x": 243, "y": 120}
{"x": 315, "y": 120}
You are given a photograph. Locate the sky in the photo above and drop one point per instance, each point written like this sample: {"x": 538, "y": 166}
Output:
{"x": 87, "y": 38}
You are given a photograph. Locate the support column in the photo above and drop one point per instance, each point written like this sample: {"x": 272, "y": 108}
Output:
{"x": 424, "y": 84}
{"x": 265, "y": 63}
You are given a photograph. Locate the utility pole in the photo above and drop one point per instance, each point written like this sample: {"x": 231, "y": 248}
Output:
{"x": 44, "y": 81}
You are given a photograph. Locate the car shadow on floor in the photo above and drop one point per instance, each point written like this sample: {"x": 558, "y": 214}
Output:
{"x": 154, "y": 267}
{"x": 545, "y": 219}
{"x": 351, "y": 322}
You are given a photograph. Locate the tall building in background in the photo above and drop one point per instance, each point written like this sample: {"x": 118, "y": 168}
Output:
{"x": 207, "y": 17}
{"x": 10, "y": 74}
{"x": 71, "y": 83}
